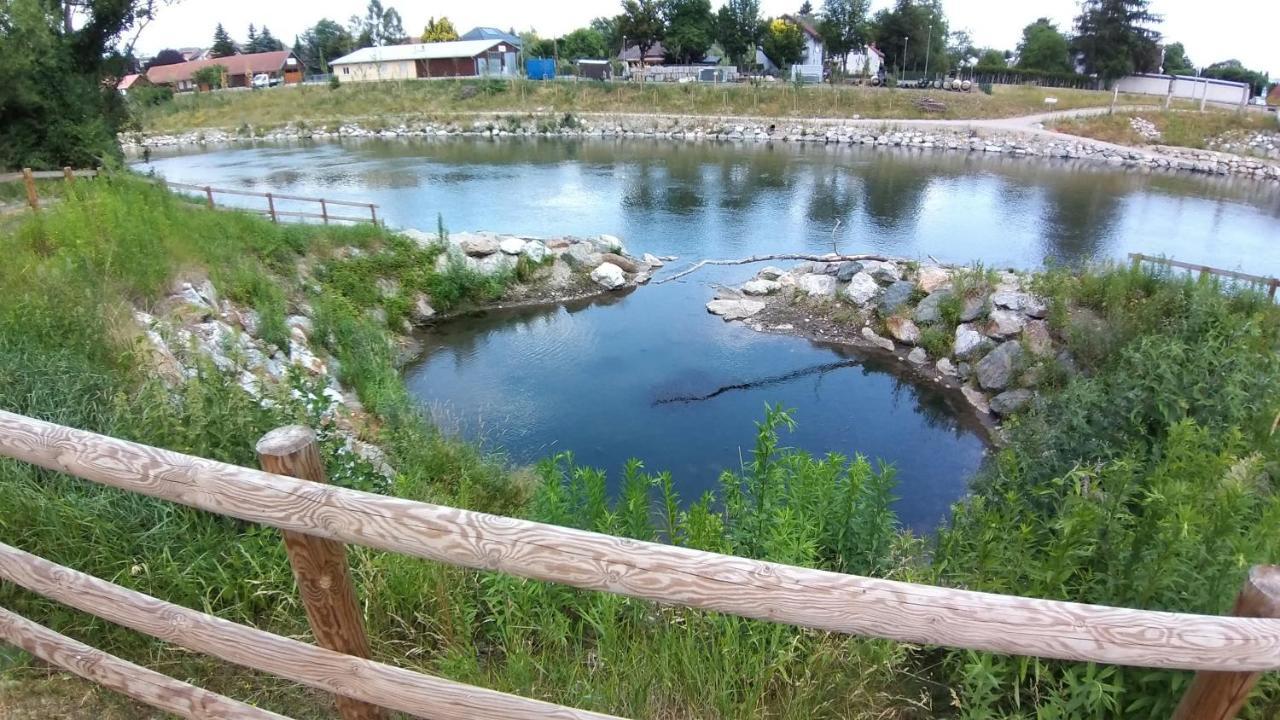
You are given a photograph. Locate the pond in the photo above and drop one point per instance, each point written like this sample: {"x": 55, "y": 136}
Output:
{"x": 650, "y": 375}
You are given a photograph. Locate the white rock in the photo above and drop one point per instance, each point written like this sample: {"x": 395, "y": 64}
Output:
{"x": 422, "y": 310}
{"x": 611, "y": 243}
{"x": 609, "y": 276}
{"x": 1004, "y": 323}
{"x": 735, "y": 308}
{"x": 761, "y": 287}
{"x": 534, "y": 250}
{"x": 862, "y": 289}
{"x": 946, "y": 367}
{"x": 933, "y": 278}
{"x": 903, "y": 330}
{"x": 969, "y": 342}
{"x": 770, "y": 272}
{"x": 817, "y": 285}
{"x": 422, "y": 239}
{"x": 511, "y": 245}
{"x": 976, "y": 398}
{"x": 881, "y": 342}
{"x": 652, "y": 260}
{"x": 885, "y": 271}
{"x": 917, "y": 356}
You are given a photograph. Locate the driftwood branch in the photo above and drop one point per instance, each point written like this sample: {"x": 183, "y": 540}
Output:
{"x": 829, "y": 257}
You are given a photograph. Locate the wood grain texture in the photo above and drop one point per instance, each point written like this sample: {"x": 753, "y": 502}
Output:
{"x": 768, "y": 591}
{"x": 1221, "y": 695}
{"x": 320, "y": 566}
{"x": 366, "y": 680}
{"x": 141, "y": 684}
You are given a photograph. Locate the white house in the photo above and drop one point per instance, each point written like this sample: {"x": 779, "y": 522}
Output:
{"x": 866, "y": 61}
{"x": 458, "y": 58}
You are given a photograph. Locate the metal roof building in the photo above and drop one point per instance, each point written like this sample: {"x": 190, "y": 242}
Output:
{"x": 459, "y": 58}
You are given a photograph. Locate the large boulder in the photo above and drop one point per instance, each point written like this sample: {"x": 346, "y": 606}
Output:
{"x": 976, "y": 398}
{"x": 769, "y": 272}
{"x": 422, "y": 239}
{"x": 929, "y": 310}
{"x": 881, "y": 342}
{"x": 1004, "y": 323}
{"x": 610, "y": 243}
{"x": 917, "y": 356}
{"x": 1011, "y": 401}
{"x": 946, "y": 367}
{"x": 535, "y": 251}
{"x": 817, "y": 285}
{"x": 627, "y": 264}
{"x": 511, "y": 245}
{"x": 883, "y": 271}
{"x": 895, "y": 296}
{"x": 862, "y": 289}
{"x": 971, "y": 307}
{"x": 1036, "y": 338}
{"x": 422, "y": 310}
{"x": 903, "y": 330}
{"x": 582, "y": 255}
{"x": 997, "y": 370}
{"x": 734, "y": 308}
{"x": 933, "y": 278}
{"x": 761, "y": 287}
{"x": 846, "y": 270}
{"x": 969, "y": 343}
{"x": 1023, "y": 302}
{"x": 477, "y": 245}
{"x": 492, "y": 264}
{"x": 608, "y": 276}
{"x": 652, "y": 260}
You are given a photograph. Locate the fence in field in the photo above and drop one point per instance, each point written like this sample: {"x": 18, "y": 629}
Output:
{"x": 276, "y": 214}
{"x": 1229, "y": 653}
{"x": 1270, "y": 283}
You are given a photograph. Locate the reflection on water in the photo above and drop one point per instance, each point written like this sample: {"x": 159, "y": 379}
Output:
{"x": 650, "y": 375}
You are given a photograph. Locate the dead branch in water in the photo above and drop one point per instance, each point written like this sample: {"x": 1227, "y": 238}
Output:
{"x": 830, "y": 257}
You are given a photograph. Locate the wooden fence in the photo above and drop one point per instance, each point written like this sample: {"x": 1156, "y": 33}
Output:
{"x": 1229, "y": 652}
{"x": 1270, "y": 283}
{"x": 29, "y": 177}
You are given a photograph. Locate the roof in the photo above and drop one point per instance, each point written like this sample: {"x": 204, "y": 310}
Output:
{"x": 128, "y": 81}
{"x": 655, "y": 51}
{"x": 489, "y": 33}
{"x": 418, "y": 51}
{"x": 251, "y": 64}
{"x": 807, "y": 23}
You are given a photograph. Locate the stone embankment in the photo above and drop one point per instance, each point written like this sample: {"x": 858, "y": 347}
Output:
{"x": 954, "y": 136}
{"x": 981, "y": 333}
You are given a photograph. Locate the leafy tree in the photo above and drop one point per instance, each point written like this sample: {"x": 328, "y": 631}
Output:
{"x": 1044, "y": 48}
{"x": 209, "y": 76}
{"x": 1116, "y": 39}
{"x": 441, "y": 30}
{"x": 1176, "y": 61}
{"x": 738, "y": 30}
{"x": 641, "y": 23}
{"x": 223, "y": 45}
{"x": 379, "y": 26}
{"x": 251, "y": 45}
{"x": 584, "y": 43}
{"x": 266, "y": 42}
{"x": 168, "y": 56}
{"x": 57, "y": 64}
{"x": 690, "y": 29}
{"x": 844, "y": 28}
{"x": 806, "y": 9}
{"x": 1235, "y": 71}
{"x": 783, "y": 42}
{"x": 960, "y": 48}
{"x": 323, "y": 43}
{"x": 992, "y": 58}
{"x": 911, "y": 33}
{"x": 608, "y": 29}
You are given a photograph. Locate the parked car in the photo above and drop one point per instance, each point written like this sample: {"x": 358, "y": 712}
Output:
{"x": 263, "y": 80}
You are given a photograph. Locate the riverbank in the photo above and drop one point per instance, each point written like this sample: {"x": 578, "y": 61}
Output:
{"x": 1251, "y": 134}
{"x": 1019, "y": 137}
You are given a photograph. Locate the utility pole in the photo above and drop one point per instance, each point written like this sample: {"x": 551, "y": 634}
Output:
{"x": 927, "y": 46}
{"x": 905, "y": 40}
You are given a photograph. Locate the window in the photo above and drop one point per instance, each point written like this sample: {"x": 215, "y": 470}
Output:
{"x": 346, "y": 70}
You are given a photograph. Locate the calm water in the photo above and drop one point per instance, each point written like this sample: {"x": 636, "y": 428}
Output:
{"x": 651, "y": 375}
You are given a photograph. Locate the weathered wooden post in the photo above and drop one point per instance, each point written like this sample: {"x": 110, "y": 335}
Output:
{"x": 1137, "y": 261}
{"x": 68, "y": 174}
{"x": 1271, "y": 291}
{"x": 271, "y": 206}
{"x": 1220, "y": 695}
{"x": 324, "y": 211}
{"x": 30, "y": 181}
{"x": 208, "y": 194}
{"x": 373, "y": 213}
{"x": 320, "y": 565}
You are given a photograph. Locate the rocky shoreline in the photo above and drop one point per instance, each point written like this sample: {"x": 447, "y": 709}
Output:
{"x": 981, "y": 334}
{"x": 853, "y": 131}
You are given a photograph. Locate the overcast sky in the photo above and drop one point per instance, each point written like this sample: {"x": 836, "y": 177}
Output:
{"x": 1211, "y": 31}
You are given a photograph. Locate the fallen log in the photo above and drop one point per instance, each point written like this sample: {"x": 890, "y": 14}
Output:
{"x": 829, "y": 257}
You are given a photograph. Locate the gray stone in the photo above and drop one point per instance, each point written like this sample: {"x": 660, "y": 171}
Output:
{"x": 387, "y": 287}
{"x": 946, "y": 367}
{"x": 302, "y": 323}
{"x": 582, "y": 255}
{"x": 996, "y": 370}
{"x": 761, "y": 287}
{"x": 735, "y": 309}
{"x": 896, "y": 295}
{"x": 1010, "y": 299}
{"x": 608, "y": 276}
{"x": 422, "y": 310}
{"x": 652, "y": 260}
{"x": 208, "y": 293}
{"x": 478, "y": 245}
{"x": 492, "y": 264}
{"x": 511, "y": 245}
{"x": 1036, "y": 307}
{"x": 769, "y": 272}
{"x": 846, "y": 270}
{"x": 886, "y": 272}
{"x": 1011, "y": 401}
{"x": 421, "y": 238}
{"x": 627, "y": 264}
{"x": 1035, "y": 335}
{"x": 1003, "y": 323}
{"x": 535, "y": 251}
{"x": 881, "y": 342}
{"x": 610, "y": 243}
{"x": 903, "y": 330}
{"x": 817, "y": 285}
{"x": 976, "y": 398}
{"x": 933, "y": 278}
{"x": 969, "y": 342}
{"x": 917, "y": 356}
{"x": 862, "y": 289}
{"x": 928, "y": 311}
{"x": 971, "y": 307}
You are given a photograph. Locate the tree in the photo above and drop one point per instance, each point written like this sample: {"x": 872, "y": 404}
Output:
{"x": 960, "y": 49}
{"x": 783, "y": 42}
{"x": 168, "y": 56}
{"x": 1235, "y": 71}
{"x": 1176, "y": 61}
{"x": 806, "y": 9}
{"x": 251, "y": 45}
{"x": 379, "y": 26}
{"x": 738, "y": 30}
{"x": 323, "y": 43}
{"x": 912, "y": 34}
{"x": 584, "y": 43}
{"x": 690, "y": 29}
{"x": 267, "y": 42}
{"x": 1044, "y": 48}
{"x": 209, "y": 76}
{"x": 1116, "y": 39}
{"x": 441, "y": 30}
{"x": 223, "y": 45}
{"x": 608, "y": 29}
{"x": 641, "y": 24}
{"x": 992, "y": 58}
{"x": 844, "y": 28}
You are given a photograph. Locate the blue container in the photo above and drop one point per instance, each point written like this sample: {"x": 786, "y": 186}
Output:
{"x": 540, "y": 68}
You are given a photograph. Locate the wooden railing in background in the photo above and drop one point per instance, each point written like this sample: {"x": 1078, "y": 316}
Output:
{"x": 1229, "y": 652}
{"x": 1270, "y": 283}
{"x": 29, "y": 177}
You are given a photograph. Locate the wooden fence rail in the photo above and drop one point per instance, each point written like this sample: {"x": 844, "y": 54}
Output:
{"x": 1270, "y": 283}
{"x": 1230, "y": 646}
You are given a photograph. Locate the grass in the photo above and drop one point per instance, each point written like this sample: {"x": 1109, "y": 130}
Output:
{"x": 1145, "y": 481}
{"x": 1179, "y": 128}
{"x": 379, "y": 105}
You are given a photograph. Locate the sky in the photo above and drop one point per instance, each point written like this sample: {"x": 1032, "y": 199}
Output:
{"x": 1211, "y": 31}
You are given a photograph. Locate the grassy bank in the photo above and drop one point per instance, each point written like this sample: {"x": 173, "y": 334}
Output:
{"x": 388, "y": 101}
{"x": 1182, "y": 129}
{"x": 1145, "y": 479}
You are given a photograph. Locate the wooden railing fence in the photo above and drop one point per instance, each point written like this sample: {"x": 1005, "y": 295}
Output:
{"x": 1229, "y": 652}
{"x": 1270, "y": 283}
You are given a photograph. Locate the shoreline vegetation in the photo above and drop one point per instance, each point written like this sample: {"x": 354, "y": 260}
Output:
{"x": 1145, "y": 479}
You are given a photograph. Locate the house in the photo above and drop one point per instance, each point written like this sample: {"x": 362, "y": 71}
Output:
{"x": 458, "y": 58}
{"x": 194, "y": 53}
{"x": 128, "y": 82}
{"x": 655, "y": 55}
{"x": 489, "y": 33}
{"x": 867, "y": 61}
{"x": 239, "y": 70}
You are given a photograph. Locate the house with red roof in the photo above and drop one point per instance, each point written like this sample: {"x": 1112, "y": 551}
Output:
{"x": 238, "y": 70}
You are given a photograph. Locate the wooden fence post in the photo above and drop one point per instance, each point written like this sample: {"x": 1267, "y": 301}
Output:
{"x": 1137, "y": 261}
{"x": 271, "y": 206}
{"x": 1271, "y": 291}
{"x": 324, "y": 211}
{"x": 1220, "y": 695}
{"x": 320, "y": 565}
{"x": 30, "y": 181}
{"x": 68, "y": 174}
{"x": 373, "y": 213}
{"x": 208, "y": 194}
